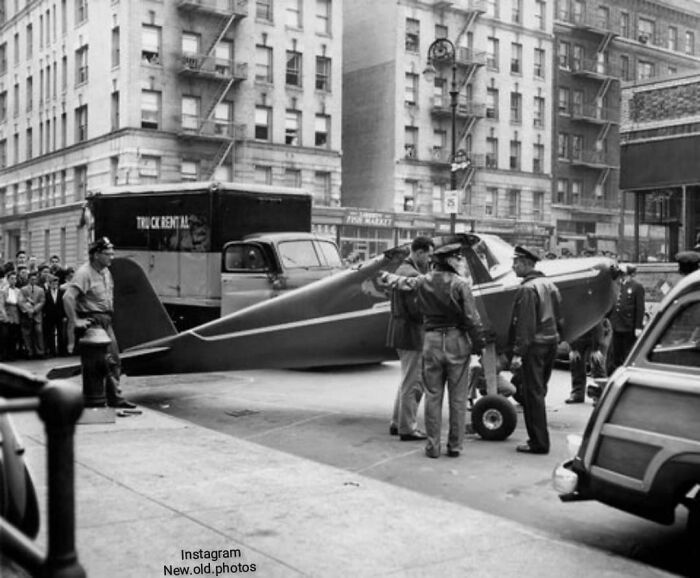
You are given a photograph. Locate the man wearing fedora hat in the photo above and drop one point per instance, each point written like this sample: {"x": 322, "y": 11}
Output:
{"x": 452, "y": 330}
{"x": 89, "y": 300}
{"x": 535, "y": 327}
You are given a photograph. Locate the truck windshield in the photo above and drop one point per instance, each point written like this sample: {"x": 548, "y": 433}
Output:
{"x": 329, "y": 254}
{"x": 297, "y": 254}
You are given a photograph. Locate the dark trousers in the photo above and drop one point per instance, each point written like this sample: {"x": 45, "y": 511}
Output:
{"x": 536, "y": 371}
{"x": 10, "y": 337}
{"x": 578, "y": 370}
{"x": 622, "y": 344}
{"x": 54, "y": 336}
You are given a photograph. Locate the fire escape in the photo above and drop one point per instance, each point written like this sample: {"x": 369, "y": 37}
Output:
{"x": 221, "y": 70}
{"x": 599, "y": 70}
{"x": 468, "y": 111}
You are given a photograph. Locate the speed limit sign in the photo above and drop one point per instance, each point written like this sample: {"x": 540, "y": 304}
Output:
{"x": 451, "y": 201}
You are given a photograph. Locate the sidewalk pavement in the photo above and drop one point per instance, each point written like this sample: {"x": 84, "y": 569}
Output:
{"x": 157, "y": 496}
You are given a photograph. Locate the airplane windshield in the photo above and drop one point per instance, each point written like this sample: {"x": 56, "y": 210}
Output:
{"x": 495, "y": 254}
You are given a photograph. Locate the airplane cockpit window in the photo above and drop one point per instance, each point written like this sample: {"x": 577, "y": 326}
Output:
{"x": 495, "y": 254}
{"x": 244, "y": 257}
{"x": 680, "y": 342}
{"x": 298, "y": 254}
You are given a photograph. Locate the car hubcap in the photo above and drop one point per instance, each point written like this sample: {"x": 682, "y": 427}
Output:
{"x": 492, "y": 419}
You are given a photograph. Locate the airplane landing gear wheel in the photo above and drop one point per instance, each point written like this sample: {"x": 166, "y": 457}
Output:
{"x": 494, "y": 418}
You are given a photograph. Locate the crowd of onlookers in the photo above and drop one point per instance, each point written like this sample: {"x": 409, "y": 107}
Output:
{"x": 33, "y": 323}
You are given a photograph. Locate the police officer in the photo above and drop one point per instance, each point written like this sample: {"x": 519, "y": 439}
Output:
{"x": 453, "y": 330}
{"x": 627, "y": 316}
{"x": 535, "y": 327}
{"x": 405, "y": 334}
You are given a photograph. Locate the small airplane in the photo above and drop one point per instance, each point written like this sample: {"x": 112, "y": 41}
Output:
{"x": 338, "y": 320}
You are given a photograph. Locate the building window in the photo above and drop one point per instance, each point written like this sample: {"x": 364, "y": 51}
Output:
{"x": 189, "y": 170}
{"x": 322, "y": 125}
{"x": 645, "y": 30}
{"x": 492, "y": 8}
{"x": 576, "y": 187}
{"x": 263, "y": 130}
{"x": 690, "y": 43}
{"x": 492, "y": 53}
{"x": 562, "y": 186}
{"x": 190, "y": 113}
{"x": 578, "y": 11}
{"x": 223, "y": 115}
{"x": 563, "y": 146}
{"x": 3, "y": 58}
{"x": 81, "y": 13}
{"x": 577, "y": 103}
{"x": 30, "y": 94}
{"x": 223, "y": 58}
{"x": 563, "y": 102}
{"x": 293, "y": 14}
{"x": 514, "y": 203}
{"x": 491, "y": 102}
{"x": 563, "y": 54}
{"x": 411, "y": 89}
{"x": 412, "y": 41}
{"x": 577, "y": 57}
{"x": 538, "y": 112}
{"x": 538, "y": 158}
{"x": 80, "y": 182}
{"x": 323, "y": 16}
{"x": 323, "y": 73}
{"x": 81, "y": 123}
{"x": 292, "y": 178}
{"x": 516, "y": 57}
{"x": 515, "y": 155}
{"x": 263, "y": 175}
{"x": 541, "y": 14}
{"x": 438, "y": 196}
{"x": 516, "y": 108}
{"x": 322, "y": 188}
{"x": 81, "y": 65}
{"x": 576, "y": 147}
{"x": 263, "y": 64}
{"x": 439, "y": 145}
{"x": 150, "y": 109}
{"x": 292, "y": 128}
{"x": 672, "y": 38}
{"x": 538, "y": 205}
{"x": 3, "y": 153}
{"x": 491, "y": 202}
{"x": 293, "y": 74}
{"x": 410, "y": 142}
{"x": 149, "y": 169}
{"x": 3, "y": 106}
{"x": 539, "y": 62}
{"x": 440, "y": 31}
{"x": 30, "y": 42}
{"x": 624, "y": 67}
{"x": 517, "y": 11}
{"x": 16, "y": 50}
{"x": 263, "y": 10}
{"x": 115, "y": 46}
{"x": 491, "y": 160}
{"x": 624, "y": 24}
{"x": 150, "y": 44}
{"x": 645, "y": 70}
{"x": 190, "y": 48}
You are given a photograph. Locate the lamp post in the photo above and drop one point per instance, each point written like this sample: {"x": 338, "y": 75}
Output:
{"x": 443, "y": 50}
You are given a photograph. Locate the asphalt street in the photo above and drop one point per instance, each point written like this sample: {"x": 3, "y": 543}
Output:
{"x": 340, "y": 417}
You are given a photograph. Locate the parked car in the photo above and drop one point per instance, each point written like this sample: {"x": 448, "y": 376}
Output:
{"x": 640, "y": 451}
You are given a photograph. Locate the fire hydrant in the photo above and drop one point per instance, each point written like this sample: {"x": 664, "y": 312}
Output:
{"x": 93, "y": 358}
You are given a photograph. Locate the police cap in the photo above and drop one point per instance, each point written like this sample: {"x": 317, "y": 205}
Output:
{"x": 101, "y": 244}
{"x": 451, "y": 250}
{"x": 688, "y": 261}
{"x": 531, "y": 254}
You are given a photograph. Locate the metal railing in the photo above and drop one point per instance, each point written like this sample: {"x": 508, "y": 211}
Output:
{"x": 59, "y": 405}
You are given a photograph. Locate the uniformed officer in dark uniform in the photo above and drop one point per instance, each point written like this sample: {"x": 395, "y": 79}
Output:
{"x": 627, "y": 316}
{"x": 453, "y": 330}
{"x": 535, "y": 327}
{"x": 688, "y": 261}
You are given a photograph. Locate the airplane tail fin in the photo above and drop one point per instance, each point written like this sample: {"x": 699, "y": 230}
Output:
{"x": 139, "y": 316}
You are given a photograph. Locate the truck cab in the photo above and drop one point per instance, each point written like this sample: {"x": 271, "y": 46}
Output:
{"x": 262, "y": 266}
